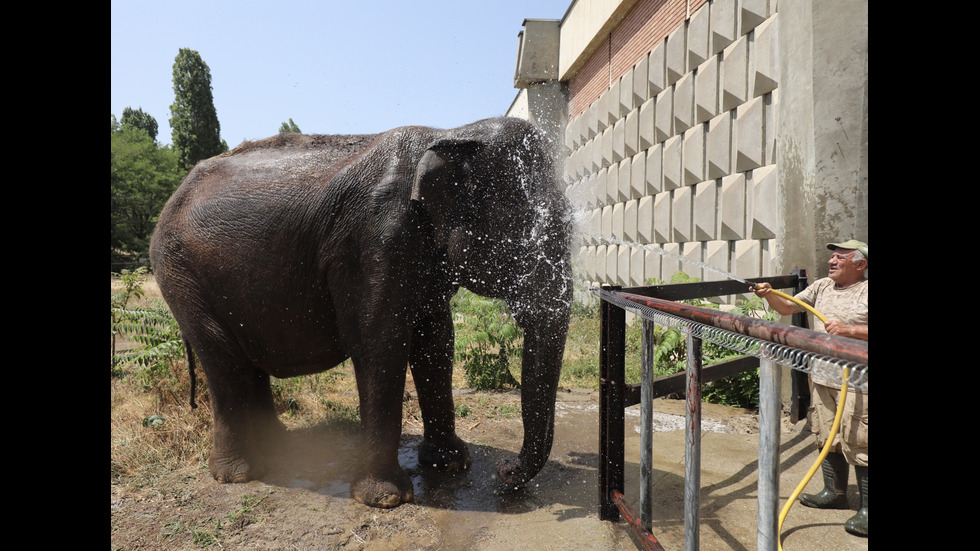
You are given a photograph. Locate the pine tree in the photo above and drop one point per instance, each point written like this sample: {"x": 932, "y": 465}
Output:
{"x": 196, "y": 133}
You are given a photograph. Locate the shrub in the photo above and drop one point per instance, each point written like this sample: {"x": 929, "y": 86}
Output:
{"x": 118, "y": 302}
{"x": 487, "y": 338}
{"x": 152, "y": 327}
{"x": 741, "y": 390}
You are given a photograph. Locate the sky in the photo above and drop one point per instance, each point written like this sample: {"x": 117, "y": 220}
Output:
{"x": 334, "y": 67}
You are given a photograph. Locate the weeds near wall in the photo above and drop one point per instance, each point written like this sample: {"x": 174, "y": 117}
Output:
{"x": 741, "y": 390}
{"x": 670, "y": 352}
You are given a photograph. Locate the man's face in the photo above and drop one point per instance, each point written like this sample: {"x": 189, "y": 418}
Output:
{"x": 843, "y": 269}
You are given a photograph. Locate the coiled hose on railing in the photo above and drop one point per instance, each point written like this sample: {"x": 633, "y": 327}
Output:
{"x": 830, "y": 437}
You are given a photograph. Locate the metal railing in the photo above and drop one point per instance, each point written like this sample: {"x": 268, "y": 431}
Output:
{"x": 766, "y": 345}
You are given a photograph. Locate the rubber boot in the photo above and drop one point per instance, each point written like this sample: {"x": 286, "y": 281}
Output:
{"x": 834, "y": 495}
{"x": 858, "y": 524}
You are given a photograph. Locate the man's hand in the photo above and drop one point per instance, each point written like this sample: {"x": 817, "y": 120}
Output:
{"x": 835, "y": 327}
{"x": 761, "y": 289}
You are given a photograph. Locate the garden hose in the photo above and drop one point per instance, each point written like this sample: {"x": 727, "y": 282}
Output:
{"x": 820, "y": 458}
{"x": 830, "y": 437}
{"x": 799, "y": 303}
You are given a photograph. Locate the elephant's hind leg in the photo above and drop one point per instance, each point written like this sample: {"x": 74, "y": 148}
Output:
{"x": 245, "y": 422}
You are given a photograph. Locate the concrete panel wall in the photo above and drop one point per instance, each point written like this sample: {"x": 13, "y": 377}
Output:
{"x": 686, "y": 152}
{"x": 668, "y": 122}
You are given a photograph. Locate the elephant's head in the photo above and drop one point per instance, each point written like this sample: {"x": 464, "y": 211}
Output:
{"x": 491, "y": 192}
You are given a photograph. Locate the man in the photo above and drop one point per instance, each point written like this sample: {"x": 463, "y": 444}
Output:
{"x": 842, "y": 298}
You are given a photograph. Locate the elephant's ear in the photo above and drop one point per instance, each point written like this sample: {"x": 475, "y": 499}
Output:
{"x": 441, "y": 180}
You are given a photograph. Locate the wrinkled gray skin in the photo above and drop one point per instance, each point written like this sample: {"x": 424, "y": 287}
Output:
{"x": 285, "y": 257}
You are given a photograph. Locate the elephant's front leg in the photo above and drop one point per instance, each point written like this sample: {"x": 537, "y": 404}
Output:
{"x": 432, "y": 369}
{"x": 380, "y": 481}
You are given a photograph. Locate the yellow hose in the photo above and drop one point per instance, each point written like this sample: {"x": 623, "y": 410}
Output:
{"x": 830, "y": 437}
{"x": 800, "y": 303}
{"x": 820, "y": 458}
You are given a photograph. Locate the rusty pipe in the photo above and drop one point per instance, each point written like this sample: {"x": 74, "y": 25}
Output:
{"x": 805, "y": 339}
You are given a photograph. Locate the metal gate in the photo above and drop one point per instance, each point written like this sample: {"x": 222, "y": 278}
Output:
{"x": 764, "y": 344}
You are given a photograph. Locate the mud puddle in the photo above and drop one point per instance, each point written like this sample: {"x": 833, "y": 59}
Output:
{"x": 474, "y": 510}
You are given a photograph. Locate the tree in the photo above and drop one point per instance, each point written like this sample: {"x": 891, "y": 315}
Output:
{"x": 196, "y": 132}
{"x": 142, "y": 176}
{"x": 139, "y": 119}
{"x": 289, "y": 127}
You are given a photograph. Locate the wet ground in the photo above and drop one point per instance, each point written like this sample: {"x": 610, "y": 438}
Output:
{"x": 304, "y": 503}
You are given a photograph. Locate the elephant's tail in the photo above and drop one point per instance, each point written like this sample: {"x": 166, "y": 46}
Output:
{"x": 190, "y": 369}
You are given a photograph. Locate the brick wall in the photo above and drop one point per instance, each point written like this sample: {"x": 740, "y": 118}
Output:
{"x": 590, "y": 82}
{"x": 646, "y": 25}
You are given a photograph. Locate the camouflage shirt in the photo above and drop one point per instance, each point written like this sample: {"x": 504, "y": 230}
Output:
{"x": 848, "y": 306}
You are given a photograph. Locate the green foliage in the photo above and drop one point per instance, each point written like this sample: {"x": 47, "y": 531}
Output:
{"x": 142, "y": 176}
{"x": 152, "y": 327}
{"x": 345, "y": 416}
{"x": 755, "y": 307}
{"x": 670, "y": 346}
{"x": 580, "y": 365}
{"x": 195, "y": 130}
{"x": 132, "y": 289}
{"x": 585, "y": 308}
{"x": 286, "y": 128}
{"x": 138, "y": 119}
{"x": 741, "y": 390}
{"x": 505, "y": 411}
{"x": 487, "y": 338}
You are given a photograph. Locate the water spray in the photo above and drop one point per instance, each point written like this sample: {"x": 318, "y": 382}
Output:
{"x": 662, "y": 252}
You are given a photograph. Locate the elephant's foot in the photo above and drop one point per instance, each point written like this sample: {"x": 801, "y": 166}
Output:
{"x": 233, "y": 467}
{"x": 383, "y": 493}
{"x": 511, "y": 472}
{"x": 448, "y": 454}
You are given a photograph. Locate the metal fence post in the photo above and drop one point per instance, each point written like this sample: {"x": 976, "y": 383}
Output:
{"x": 692, "y": 453}
{"x": 646, "y": 424}
{"x": 769, "y": 422}
{"x": 612, "y": 372}
{"x": 799, "y": 382}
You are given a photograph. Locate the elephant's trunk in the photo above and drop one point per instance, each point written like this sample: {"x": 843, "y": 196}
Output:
{"x": 544, "y": 346}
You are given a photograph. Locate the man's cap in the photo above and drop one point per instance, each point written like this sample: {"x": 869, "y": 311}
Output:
{"x": 851, "y": 244}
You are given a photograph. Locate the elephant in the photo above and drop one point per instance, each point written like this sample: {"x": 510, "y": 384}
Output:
{"x": 289, "y": 255}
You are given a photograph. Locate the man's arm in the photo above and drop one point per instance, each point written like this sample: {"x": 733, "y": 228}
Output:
{"x": 853, "y": 331}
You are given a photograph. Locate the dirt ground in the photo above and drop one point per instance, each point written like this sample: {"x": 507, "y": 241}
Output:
{"x": 303, "y": 503}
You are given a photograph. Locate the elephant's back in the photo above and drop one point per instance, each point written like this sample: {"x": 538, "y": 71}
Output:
{"x": 311, "y": 155}
{"x": 260, "y": 180}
